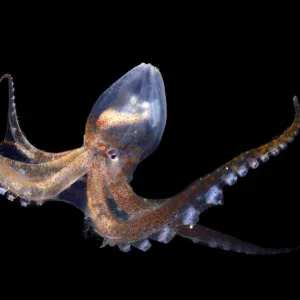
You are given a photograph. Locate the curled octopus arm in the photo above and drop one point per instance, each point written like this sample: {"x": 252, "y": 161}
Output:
{"x": 16, "y": 144}
{"x": 26, "y": 171}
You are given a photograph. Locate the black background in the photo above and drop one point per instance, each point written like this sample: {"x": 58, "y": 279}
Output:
{"x": 229, "y": 86}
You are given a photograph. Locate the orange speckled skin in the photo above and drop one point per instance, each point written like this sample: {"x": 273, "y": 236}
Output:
{"x": 124, "y": 127}
{"x": 149, "y": 221}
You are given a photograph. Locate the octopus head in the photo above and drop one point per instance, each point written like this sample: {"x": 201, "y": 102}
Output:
{"x": 127, "y": 121}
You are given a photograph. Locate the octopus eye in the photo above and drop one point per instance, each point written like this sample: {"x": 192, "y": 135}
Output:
{"x": 112, "y": 154}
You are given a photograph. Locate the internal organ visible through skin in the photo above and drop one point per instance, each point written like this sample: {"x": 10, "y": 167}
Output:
{"x": 124, "y": 127}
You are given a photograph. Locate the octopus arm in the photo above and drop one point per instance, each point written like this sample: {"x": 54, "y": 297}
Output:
{"x": 215, "y": 239}
{"x": 42, "y": 170}
{"x": 180, "y": 213}
{"x": 16, "y": 145}
{"x": 49, "y": 188}
{"x": 208, "y": 191}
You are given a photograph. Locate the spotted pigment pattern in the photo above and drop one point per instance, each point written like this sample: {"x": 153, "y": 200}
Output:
{"x": 124, "y": 127}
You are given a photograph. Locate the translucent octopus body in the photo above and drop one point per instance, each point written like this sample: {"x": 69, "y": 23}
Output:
{"x": 126, "y": 125}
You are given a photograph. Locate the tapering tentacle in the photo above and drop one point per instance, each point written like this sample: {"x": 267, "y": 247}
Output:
{"x": 207, "y": 191}
{"x": 215, "y": 239}
{"x": 16, "y": 145}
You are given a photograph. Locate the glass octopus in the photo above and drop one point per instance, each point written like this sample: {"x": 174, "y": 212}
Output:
{"x": 126, "y": 125}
